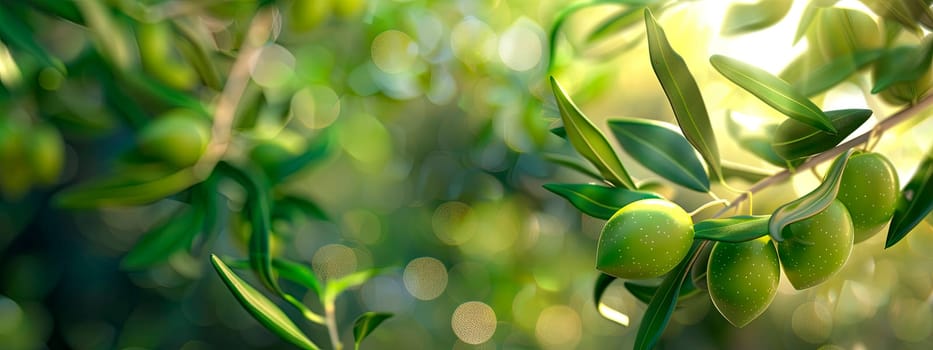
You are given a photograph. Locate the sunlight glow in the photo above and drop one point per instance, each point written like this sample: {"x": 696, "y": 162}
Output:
{"x": 613, "y": 314}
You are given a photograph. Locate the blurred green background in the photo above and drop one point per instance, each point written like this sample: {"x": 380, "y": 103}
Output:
{"x": 437, "y": 114}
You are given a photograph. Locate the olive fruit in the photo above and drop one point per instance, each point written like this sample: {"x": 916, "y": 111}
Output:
{"x": 159, "y": 58}
{"x": 840, "y": 31}
{"x": 15, "y": 180}
{"x": 743, "y": 278}
{"x": 644, "y": 239}
{"x": 349, "y": 8}
{"x": 869, "y": 190}
{"x": 46, "y": 154}
{"x": 177, "y": 138}
{"x": 308, "y": 14}
{"x": 816, "y": 248}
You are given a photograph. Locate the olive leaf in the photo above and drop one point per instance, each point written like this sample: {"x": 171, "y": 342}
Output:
{"x": 621, "y": 20}
{"x": 773, "y": 91}
{"x": 644, "y": 293}
{"x": 741, "y": 18}
{"x": 683, "y": 94}
{"x": 744, "y": 172}
{"x": 19, "y": 35}
{"x": 598, "y": 201}
{"x": 793, "y": 139}
{"x": 837, "y": 70}
{"x": 921, "y": 11}
{"x": 261, "y": 308}
{"x": 298, "y": 273}
{"x": 258, "y": 210}
{"x": 110, "y": 37}
{"x": 334, "y": 287}
{"x": 903, "y": 64}
{"x": 292, "y": 208}
{"x": 915, "y": 202}
{"x": 663, "y": 303}
{"x": 278, "y": 169}
{"x": 812, "y": 203}
{"x": 893, "y": 9}
{"x": 662, "y": 149}
{"x": 571, "y": 163}
{"x": 365, "y": 324}
{"x": 809, "y": 14}
{"x": 589, "y": 141}
{"x": 560, "y": 131}
{"x": 736, "y": 229}
{"x": 755, "y": 141}
{"x": 194, "y": 49}
{"x": 599, "y": 288}
{"x": 169, "y": 237}
{"x": 131, "y": 188}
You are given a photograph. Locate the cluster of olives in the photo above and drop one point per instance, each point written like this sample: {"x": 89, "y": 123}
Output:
{"x": 648, "y": 238}
{"x": 38, "y": 146}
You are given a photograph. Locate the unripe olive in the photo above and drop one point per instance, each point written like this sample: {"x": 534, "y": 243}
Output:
{"x": 349, "y": 8}
{"x": 644, "y": 239}
{"x": 156, "y": 51}
{"x": 869, "y": 189}
{"x": 908, "y": 91}
{"x": 308, "y": 14}
{"x": 840, "y": 31}
{"x": 15, "y": 179}
{"x": 46, "y": 154}
{"x": 743, "y": 278}
{"x": 178, "y": 138}
{"x": 816, "y": 248}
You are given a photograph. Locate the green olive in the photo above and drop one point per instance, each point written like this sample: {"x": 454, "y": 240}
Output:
{"x": 349, "y": 8}
{"x": 869, "y": 189}
{"x": 743, "y": 279}
{"x": 816, "y": 248}
{"x": 177, "y": 138}
{"x": 46, "y": 154}
{"x": 15, "y": 180}
{"x": 159, "y": 58}
{"x": 308, "y": 14}
{"x": 908, "y": 91}
{"x": 839, "y": 32}
{"x": 644, "y": 239}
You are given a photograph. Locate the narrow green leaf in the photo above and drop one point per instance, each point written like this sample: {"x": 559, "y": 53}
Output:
{"x": 835, "y": 71}
{"x": 261, "y": 308}
{"x": 615, "y": 23}
{"x": 152, "y": 88}
{"x": 598, "y": 201}
{"x": 568, "y": 11}
{"x": 599, "y": 287}
{"x": 298, "y": 273}
{"x": 126, "y": 190}
{"x": 894, "y": 10}
{"x": 682, "y": 93}
{"x": 365, "y": 324}
{"x": 903, "y": 64}
{"x": 755, "y": 141}
{"x": 589, "y": 141}
{"x": 194, "y": 49}
{"x": 19, "y": 35}
{"x": 170, "y": 237}
{"x": 793, "y": 139}
{"x": 736, "y": 229}
{"x": 915, "y": 202}
{"x": 812, "y": 203}
{"x": 334, "y": 287}
{"x": 560, "y": 131}
{"x": 571, "y": 163}
{"x": 921, "y": 12}
{"x": 744, "y": 172}
{"x": 772, "y": 90}
{"x": 663, "y": 303}
{"x": 319, "y": 148}
{"x": 741, "y": 18}
{"x": 809, "y": 14}
{"x": 662, "y": 149}
{"x": 257, "y": 209}
{"x": 292, "y": 208}
{"x": 110, "y": 37}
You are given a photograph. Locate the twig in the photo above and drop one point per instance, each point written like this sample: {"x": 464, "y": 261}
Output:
{"x": 259, "y": 31}
{"x": 329, "y": 314}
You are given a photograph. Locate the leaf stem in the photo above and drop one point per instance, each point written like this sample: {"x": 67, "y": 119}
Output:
{"x": 331, "y": 319}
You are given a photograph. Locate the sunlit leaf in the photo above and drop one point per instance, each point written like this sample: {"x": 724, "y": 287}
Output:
{"x": 662, "y": 304}
{"x": 742, "y": 18}
{"x": 682, "y": 93}
{"x": 620, "y": 21}
{"x": 893, "y": 9}
{"x": 589, "y": 141}
{"x": 903, "y": 64}
{"x": 744, "y": 172}
{"x": 662, "y": 149}
{"x": 170, "y": 237}
{"x": 334, "y": 287}
{"x": 365, "y": 324}
{"x": 598, "y": 201}
{"x": 794, "y": 139}
{"x": 921, "y": 11}
{"x": 837, "y": 70}
{"x": 809, "y": 14}
{"x": 915, "y": 202}
{"x": 568, "y": 11}
{"x": 599, "y": 288}
{"x": 571, "y": 163}
{"x": 812, "y": 203}
{"x": 126, "y": 190}
{"x": 736, "y": 229}
{"x": 773, "y": 91}
{"x": 261, "y": 308}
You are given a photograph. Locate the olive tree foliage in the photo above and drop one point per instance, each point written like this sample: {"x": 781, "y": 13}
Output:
{"x": 736, "y": 258}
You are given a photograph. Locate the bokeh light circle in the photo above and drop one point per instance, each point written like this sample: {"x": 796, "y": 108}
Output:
{"x": 474, "y": 322}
